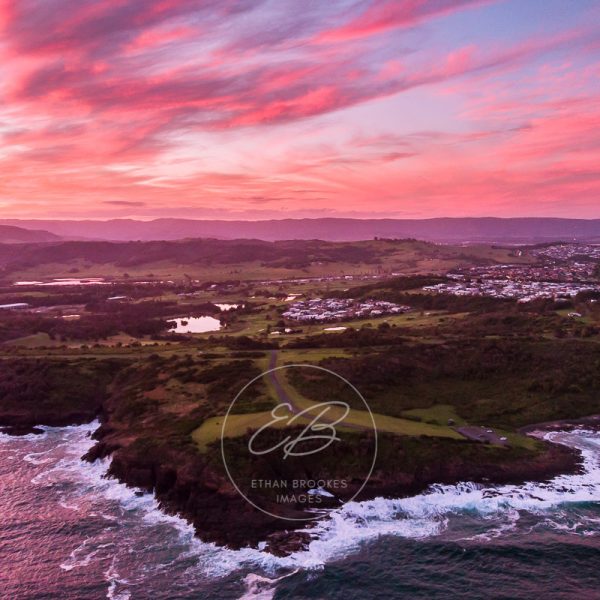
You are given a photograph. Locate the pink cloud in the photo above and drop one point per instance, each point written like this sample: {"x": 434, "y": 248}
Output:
{"x": 159, "y": 36}
{"x": 107, "y": 102}
{"x": 385, "y": 15}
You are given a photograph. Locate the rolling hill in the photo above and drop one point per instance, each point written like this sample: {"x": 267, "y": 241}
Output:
{"x": 9, "y": 234}
{"x": 233, "y": 259}
{"x": 449, "y": 230}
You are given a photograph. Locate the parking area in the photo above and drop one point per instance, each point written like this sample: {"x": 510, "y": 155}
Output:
{"x": 482, "y": 434}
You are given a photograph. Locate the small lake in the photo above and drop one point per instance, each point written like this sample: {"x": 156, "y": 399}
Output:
{"x": 66, "y": 281}
{"x": 195, "y": 325}
{"x": 225, "y": 307}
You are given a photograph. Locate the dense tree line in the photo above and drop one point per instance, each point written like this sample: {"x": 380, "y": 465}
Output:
{"x": 53, "y": 391}
{"x": 134, "y": 319}
{"x": 503, "y": 382}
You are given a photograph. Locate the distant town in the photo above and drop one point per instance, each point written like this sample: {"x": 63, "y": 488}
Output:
{"x": 567, "y": 270}
{"x": 569, "y": 251}
{"x": 523, "y": 291}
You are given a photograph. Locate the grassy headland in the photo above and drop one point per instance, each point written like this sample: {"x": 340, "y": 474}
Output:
{"x": 450, "y": 362}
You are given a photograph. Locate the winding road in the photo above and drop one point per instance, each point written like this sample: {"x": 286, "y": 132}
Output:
{"x": 284, "y": 397}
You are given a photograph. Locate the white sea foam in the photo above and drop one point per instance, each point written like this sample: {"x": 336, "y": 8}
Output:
{"x": 428, "y": 514}
{"x": 259, "y": 587}
{"x": 35, "y": 457}
{"x": 91, "y": 482}
{"x": 113, "y": 579}
{"x": 420, "y": 516}
{"x": 83, "y": 555}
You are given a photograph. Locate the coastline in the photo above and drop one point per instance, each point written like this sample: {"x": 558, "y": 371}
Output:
{"x": 197, "y": 492}
{"x": 154, "y": 451}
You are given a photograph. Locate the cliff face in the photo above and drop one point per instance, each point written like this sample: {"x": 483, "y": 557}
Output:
{"x": 195, "y": 486}
{"x": 147, "y": 421}
{"x": 187, "y": 484}
{"x": 149, "y": 409}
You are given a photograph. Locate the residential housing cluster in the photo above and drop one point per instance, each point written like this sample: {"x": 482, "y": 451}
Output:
{"x": 322, "y": 310}
{"x": 568, "y": 251}
{"x": 523, "y": 291}
{"x": 566, "y": 270}
{"x": 572, "y": 272}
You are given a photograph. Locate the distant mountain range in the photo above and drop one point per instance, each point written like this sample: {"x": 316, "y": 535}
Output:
{"x": 467, "y": 230}
{"x": 9, "y": 234}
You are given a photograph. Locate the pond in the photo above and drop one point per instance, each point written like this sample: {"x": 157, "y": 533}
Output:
{"x": 195, "y": 325}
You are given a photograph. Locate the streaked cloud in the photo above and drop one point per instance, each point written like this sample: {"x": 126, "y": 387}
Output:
{"x": 388, "y": 107}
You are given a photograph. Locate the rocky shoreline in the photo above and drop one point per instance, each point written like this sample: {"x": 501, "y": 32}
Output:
{"x": 194, "y": 490}
{"x": 188, "y": 485}
{"x": 566, "y": 424}
{"x": 151, "y": 448}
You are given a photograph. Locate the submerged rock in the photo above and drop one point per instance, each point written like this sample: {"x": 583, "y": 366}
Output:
{"x": 283, "y": 543}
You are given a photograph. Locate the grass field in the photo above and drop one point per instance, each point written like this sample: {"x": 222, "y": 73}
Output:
{"x": 362, "y": 418}
{"x": 356, "y": 420}
{"x": 438, "y": 414}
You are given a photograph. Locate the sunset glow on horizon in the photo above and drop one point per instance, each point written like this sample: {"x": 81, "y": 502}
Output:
{"x": 251, "y": 109}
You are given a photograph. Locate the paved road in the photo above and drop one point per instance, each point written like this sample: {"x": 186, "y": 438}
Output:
{"x": 284, "y": 397}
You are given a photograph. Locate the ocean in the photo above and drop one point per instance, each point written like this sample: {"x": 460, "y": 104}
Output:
{"x": 68, "y": 532}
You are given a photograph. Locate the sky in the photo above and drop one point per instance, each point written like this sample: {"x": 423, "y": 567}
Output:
{"x": 252, "y": 109}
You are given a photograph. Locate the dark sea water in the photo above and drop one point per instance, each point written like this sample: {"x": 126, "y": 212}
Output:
{"x": 67, "y": 532}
